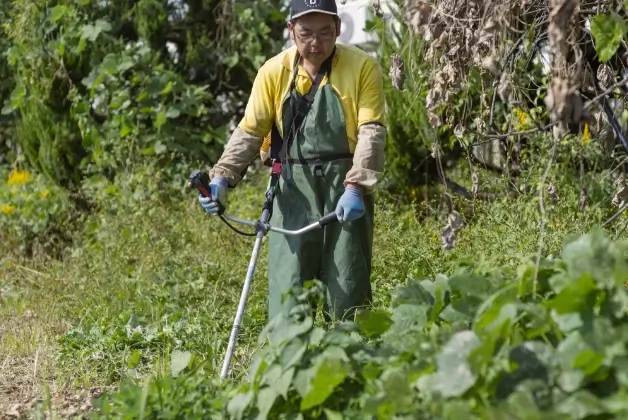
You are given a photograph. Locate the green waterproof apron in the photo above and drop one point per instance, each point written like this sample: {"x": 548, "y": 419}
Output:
{"x": 339, "y": 255}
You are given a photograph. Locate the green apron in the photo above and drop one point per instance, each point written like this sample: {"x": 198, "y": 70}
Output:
{"x": 339, "y": 255}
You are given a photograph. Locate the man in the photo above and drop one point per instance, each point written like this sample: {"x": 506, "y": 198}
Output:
{"x": 324, "y": 105}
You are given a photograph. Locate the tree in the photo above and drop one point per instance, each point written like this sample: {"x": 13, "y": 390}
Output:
{"x": 101, "y": 86}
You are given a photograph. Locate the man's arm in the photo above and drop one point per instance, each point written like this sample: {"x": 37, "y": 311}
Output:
{"x": 246, "y": 139}
{"x": 368, "y": 159}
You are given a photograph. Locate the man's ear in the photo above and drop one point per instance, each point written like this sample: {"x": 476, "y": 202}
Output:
{"x": 338, "y": 23}
{"x": 291, "y": 30}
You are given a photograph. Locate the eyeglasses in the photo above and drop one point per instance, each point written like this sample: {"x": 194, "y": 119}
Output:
{"x": 325, "y": 36}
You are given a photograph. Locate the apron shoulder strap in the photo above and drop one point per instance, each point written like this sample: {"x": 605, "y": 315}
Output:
{"x": 279, "y": 146}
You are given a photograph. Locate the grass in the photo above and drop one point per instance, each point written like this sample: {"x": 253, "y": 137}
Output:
{"x": 150, "y": 277}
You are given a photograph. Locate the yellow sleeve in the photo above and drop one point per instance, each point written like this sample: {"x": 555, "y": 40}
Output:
{"x": 260, "y": 109}
{"x": 371, "y": 102}
{"x": 266, "y": 143}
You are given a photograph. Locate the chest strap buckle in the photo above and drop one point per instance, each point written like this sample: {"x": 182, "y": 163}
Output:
{"x": 276, "y": 168}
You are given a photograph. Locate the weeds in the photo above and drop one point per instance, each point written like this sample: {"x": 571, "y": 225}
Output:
{"x": 150, "y": 288}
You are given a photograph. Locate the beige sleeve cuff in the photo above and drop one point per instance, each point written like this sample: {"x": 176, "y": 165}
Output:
{"x": 237, "y": 156}
{"x": 368, "y": 158}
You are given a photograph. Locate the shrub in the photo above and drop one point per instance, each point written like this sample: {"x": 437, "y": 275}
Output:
{"x": 36, "y": 216}
{"x": 546, "y": 342}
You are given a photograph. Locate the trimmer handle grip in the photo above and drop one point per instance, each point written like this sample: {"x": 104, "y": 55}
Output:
{"x": 200, "y": 181}
{"x": 327, "y": 219}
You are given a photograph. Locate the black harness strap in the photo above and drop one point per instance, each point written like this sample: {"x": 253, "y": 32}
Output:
{"x": 299, "y": 106}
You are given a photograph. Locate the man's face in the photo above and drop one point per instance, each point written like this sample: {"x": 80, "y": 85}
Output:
{"x": 315, "y": 36}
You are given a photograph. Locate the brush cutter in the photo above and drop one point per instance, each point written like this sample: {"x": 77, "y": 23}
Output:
{"x": 200, "y": 181}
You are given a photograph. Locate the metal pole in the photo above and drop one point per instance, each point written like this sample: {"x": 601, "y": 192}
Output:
{"x": 241, "y": 305}
{"x": 261, "y": 232}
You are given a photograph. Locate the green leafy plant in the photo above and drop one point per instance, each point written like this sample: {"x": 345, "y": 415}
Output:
{"x": 35, "y": 215}
{"x": 548, "y": 341}
{"x": 608, "y": 31}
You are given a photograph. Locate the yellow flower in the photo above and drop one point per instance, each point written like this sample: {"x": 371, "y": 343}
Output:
{"x": 7, "y": 209}
{"x": 522, "y": 116}
{"x": 44, "y": 194}
{"x": 586, "y": 137}
{"x": 18, "y": 177}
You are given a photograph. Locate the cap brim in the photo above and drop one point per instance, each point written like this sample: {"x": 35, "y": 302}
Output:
{"x": 307, "y": 12}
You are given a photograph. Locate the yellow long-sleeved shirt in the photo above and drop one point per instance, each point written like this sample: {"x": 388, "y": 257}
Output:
{"x": 358, "y": 82}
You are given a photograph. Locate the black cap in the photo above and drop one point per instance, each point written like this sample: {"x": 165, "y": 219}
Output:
{"x": 303, "y": 7}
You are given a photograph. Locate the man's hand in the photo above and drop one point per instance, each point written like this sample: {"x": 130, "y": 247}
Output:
{"x": 350, "y": 206}
{"x": 218, "y": 190}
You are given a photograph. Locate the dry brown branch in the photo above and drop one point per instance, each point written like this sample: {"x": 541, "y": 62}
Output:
{"x": 499, "y": 39}
{"x": 606, "y": 92}
{"x": 515, "y": 133}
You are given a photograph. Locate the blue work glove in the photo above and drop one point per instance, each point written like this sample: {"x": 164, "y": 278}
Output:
{"x": 218, "y": 190}
{"x": 350, "y": 206}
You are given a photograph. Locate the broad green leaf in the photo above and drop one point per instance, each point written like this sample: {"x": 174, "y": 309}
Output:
{"x": 340, "y": 338}
{"x": 567, "y": 322}
{"x": 168, "y": 88}
{"x": 7, "y": 108}
{"x": 265, "y": 399}
{"x": 90, "y": 32}
{"x": 303, "y": 380}
{"x": 332, "y": 415}
{"x": 160, "y": 120}
{"x": 373, "y": 322}
{"x": 173, "y": 112}
{"x": 160, "y": 148}
{"x": 456, "y": 410}
{"x": 287, "y": 330}
{"x": 408, "y": 317}
{"x": 330, "y": 371}
{"x": 292, "y": 353}
{"x": 620, "y": 364}
{"x": 329, "y": 374}
{"x": 394, "y": 385}
{"x": 57, "y": 12}
{"x": 525, "y": 274}
{"x": 126, "y": 62}
{"x": 258, "y": 368}
{"x": 134, "y": 359}
{"x": 238, "y": 404}
{"x": 495, "y": 316}
{"x": 589, "y": 361}
{"x": 522, "y": 404}
{"x": 316, "y": 336}
{"x": 283, "y": 382}
{"x": 530, "y": 362}
{"x": 570, "y": 381}
{"x": 582, "y": 404}
{"x": 577, "y": 360}
{"x": 413, "y": 293}
{"x": 594, "y": 255}
{"x": 441, "y": 292}
{"x": 125, "y": 130}
{"x": 471, "y": 285}
{"x": 110, "y": 63}
{"x": 454, "y": 376}
{"x": 179, "y": 360}
{"x": 607, "y": 30}
{"x": 578, "y": 296}
{"x": 102, "y": 25}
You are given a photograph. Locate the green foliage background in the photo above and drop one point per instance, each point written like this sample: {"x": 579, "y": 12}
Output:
{"x": 112, "y": 279}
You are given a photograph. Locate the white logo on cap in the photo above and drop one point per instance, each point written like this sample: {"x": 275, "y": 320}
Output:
{"x": 311, "y": 3}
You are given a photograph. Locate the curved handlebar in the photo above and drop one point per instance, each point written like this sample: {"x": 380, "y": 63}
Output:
{"x": 200, "y": 181}
{"x": 325, "y": 220}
